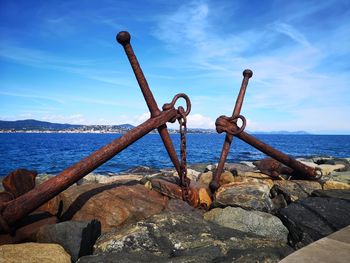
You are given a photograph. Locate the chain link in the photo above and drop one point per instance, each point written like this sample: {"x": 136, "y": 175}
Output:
{"x": 184, "y": 180}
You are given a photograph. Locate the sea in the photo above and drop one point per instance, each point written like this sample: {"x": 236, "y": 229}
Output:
{"x": 51, "y": 153}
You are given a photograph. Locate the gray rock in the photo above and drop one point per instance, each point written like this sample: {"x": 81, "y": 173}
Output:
{"x": 239, "y": 168}
{"x": 77, "y": 238}
{"x": 313, "y": 218}
{"x": 259, "y": 223}
{"x": 334, "y": 193}
{"x": 183, "y": 237}
{"x": 343, "y": 177}
{"x": 297, "y": 189}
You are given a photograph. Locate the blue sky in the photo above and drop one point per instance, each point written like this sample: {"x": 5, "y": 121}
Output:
{"x": 59, "y": 61}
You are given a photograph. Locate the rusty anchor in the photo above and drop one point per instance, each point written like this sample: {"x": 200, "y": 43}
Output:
{"x": 13, "y": 210}
{"x": 230, "y": 127}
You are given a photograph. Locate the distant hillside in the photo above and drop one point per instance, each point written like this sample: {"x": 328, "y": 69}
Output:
{"x": 282, "y": 132}
{"x": 35, "y": 125}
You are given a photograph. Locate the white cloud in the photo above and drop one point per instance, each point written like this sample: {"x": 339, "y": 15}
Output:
{"x": 196, "y": 120}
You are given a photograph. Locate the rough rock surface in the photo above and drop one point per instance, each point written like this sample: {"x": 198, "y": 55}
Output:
{"x": 256, "y": 222}
{"x": 335, "y": 193}
{"x": 298, "y": 189}
{"x": 111, "y": 204}
{"x": 248, "y": 194}
{"x": 183, "y": 237}
{"x": 77, "y": 238}
{"x": 33, "y": 253}
{"x": 335, "y": 185}
{"x": 313, "y": 218}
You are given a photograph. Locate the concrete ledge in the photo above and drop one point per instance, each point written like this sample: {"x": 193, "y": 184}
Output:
{"x": 334, "y": 248}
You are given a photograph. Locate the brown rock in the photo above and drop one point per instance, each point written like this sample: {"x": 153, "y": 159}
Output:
{"x": 204, "y": 198}
{"x": 27, "y": 232}
{"x": 335, "y": 185}
{"x": 256, "y": 175}
{"x": 226, "y": 178}
{"x": 111, "y": 204}
{"x": 33, "y": 253}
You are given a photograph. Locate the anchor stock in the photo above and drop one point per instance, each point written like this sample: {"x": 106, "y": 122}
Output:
{"x": 230, "y": 127}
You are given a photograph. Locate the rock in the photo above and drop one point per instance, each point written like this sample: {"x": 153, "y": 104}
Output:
{"x": 183, "y": 237}
{"x": 205, "y": 179}
{"x": 259, "y": 223}
{"x": 77, "y": 238}
{"x": 239, "y": 168}
{"x": 191, "y": 174}
{"x": 334, "y": 193}
{"x": 313, "y": 218}
{"x": 336, "y": 161}
{"x": 111, "y": 204}
{"x": 104, "y": 179}
{"x": 199, "y": 167}
{"x": 210, "y": 167}
{"x": 329, "y": 168}
{"x": 249, "y": 163}
{"x": 256, "y": 175}
{"x": 142, "y": 170}
{"x": 33, "y": 253}
{"x": 249, "y": 194}
{"x": 343, "y": 177}
{"x": 28, "y": 227}
{"x": 226, "y": 178}
{"x": 297, "y": 189}
{"x": 335, "y": 185}
{"x": 204, "y": 199}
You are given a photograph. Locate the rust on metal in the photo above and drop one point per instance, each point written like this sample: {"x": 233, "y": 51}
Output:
{"x": 214, "y": 185}
{"x": 28, "y": 199}
{"x": 230, "y": 127}
{"x": 123, "y": 38}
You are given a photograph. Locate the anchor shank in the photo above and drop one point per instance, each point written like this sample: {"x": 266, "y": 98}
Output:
{"x": 28, "y": 202}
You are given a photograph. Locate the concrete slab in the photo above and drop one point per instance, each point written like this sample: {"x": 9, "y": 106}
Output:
{"x": 335, "y": 248}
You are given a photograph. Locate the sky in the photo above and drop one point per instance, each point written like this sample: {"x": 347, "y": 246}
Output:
{"x": 59, "y": 61}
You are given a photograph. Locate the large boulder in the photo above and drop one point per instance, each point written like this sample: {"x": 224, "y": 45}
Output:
{"x": 297, "y": 189}
{"x": 111, "y": 204}
{"x": 334, "y": 193}
{"x": 33, "y": 253}
{"x": 77, "y": 238}
{"x": 183, "y": 237}
{"x": 313, "y": 218}
{"x": 256, "y": 222}
{"x": 249, "y": 194}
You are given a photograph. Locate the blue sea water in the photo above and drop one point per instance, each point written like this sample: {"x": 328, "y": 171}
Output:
{"x": 51, "y": 153}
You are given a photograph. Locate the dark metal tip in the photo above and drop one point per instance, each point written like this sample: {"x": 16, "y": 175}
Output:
{"x": 247, "y": 73}
{"x": 123, "y": 38}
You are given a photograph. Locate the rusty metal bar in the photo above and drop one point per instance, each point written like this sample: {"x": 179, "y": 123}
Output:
{"x": 247, "y": 74}
{"x": 123, "y": 38}
{"x": 299, "y": 167}
{"x": 28, "y": 202}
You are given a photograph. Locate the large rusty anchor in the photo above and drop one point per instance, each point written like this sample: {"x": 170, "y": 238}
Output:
{"x": 13, "y": 208}
{"x": 230, "y": 127}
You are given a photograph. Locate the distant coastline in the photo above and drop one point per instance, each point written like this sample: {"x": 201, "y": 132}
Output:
{"x": 35, "y": 126}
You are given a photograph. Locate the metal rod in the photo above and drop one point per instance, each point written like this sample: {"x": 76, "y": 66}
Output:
{"x": 28, "y": 202}
{"x": 123, "y": 38}
{"x": 214, "y": 185}
{"x": 303, "y": 169}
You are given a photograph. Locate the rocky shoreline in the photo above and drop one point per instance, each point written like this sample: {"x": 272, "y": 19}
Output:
{"x": 124, "y": 218}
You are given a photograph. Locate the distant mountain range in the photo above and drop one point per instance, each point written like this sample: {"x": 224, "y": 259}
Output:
{"x": 44, "y": 126}
{"x": 34, "y": 125}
